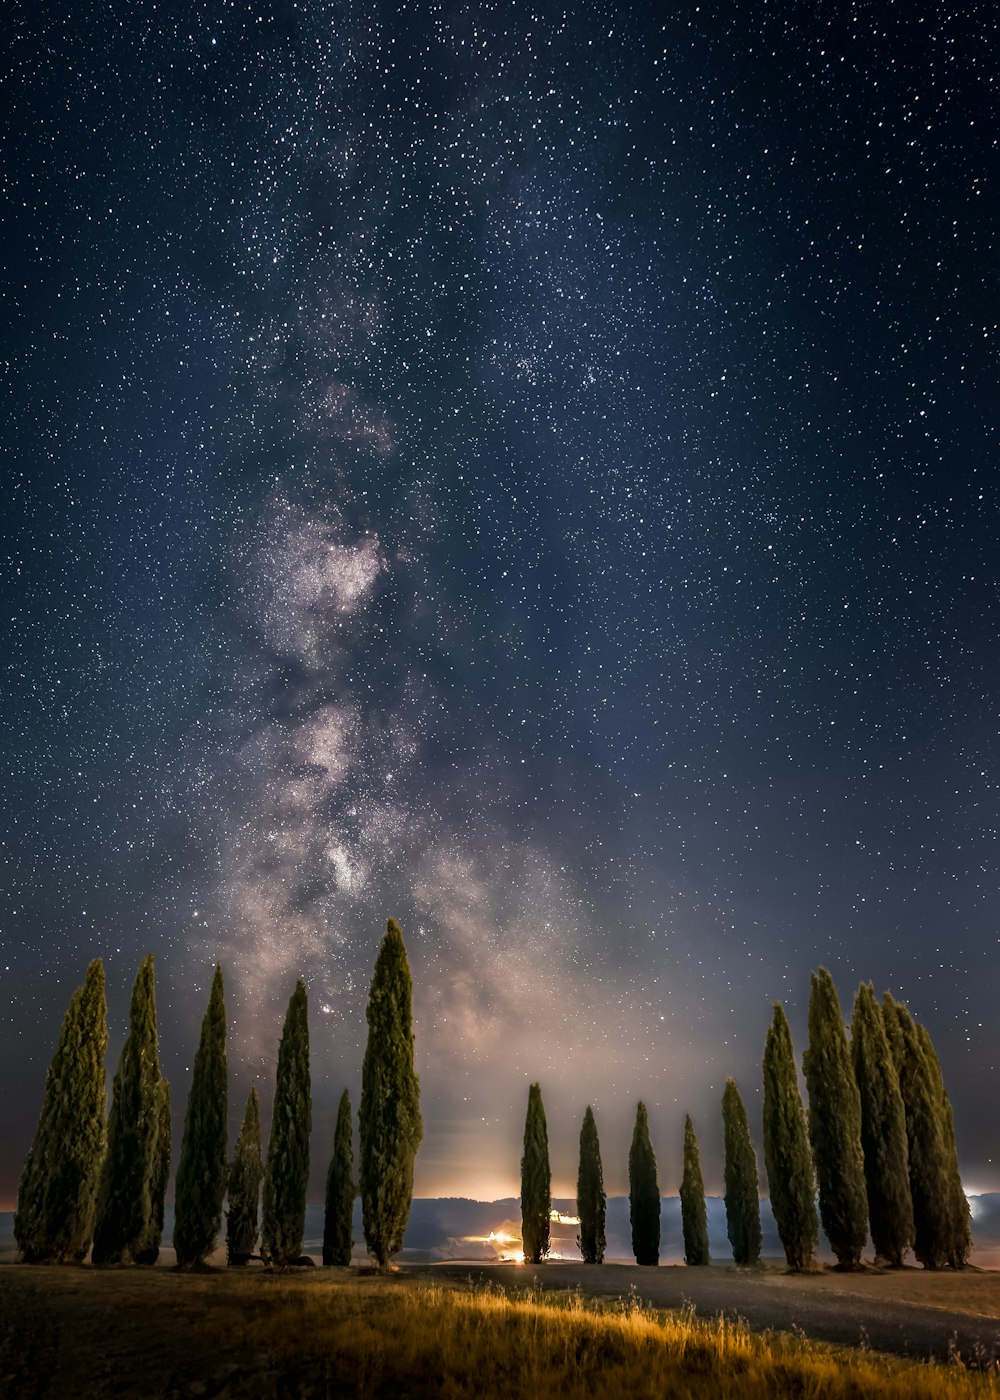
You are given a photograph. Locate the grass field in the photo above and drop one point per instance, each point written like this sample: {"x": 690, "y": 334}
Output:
{"x": 84, "y": 1332}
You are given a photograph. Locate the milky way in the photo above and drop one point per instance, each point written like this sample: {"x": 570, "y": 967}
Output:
{"x": 527, "y": 472}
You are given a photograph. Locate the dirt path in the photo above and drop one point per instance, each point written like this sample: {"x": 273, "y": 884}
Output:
{"x": 911, "y": 1313}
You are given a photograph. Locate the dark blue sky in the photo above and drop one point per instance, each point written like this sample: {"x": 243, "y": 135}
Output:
{"x": 528, "y": 471}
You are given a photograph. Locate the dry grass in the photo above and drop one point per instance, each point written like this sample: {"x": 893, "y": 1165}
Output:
{"x": 262, "y": 1335}
{"x": 461, "y": 1344}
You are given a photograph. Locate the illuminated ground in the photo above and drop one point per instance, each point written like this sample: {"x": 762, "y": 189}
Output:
{"x": 910, "y": 1312}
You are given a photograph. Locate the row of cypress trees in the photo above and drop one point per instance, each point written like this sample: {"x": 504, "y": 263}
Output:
{"x": 741, "y": 1198}
{"x": 879, "y": 1143}
{"x": 88, "y": 1184}
{"x": 877, "y": 1147}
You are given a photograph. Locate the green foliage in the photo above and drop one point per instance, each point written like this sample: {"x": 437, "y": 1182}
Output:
{"x": 940, "y": 1220}
{"x": 54, "y": 1222}
{"x": 643, "y": 1192}
{"x": 390, "y": 1126}
{"x": 694, "y": 1220}
{"x": 742, "y": 1198}
{"x": 835, "y": 1124}
{"x": 959, "y": 1228}
{"x": 246, "y": 1173}
{"x": 287, "y": 1173}
{"x": 786, "y": 1148}
{"x": 201, "y": 1172}
{"x": 883, "y": 1131}
{"x": 127, "y": 1210}
{"x": 147, "y": 1249}
{"x": 340, "y": 1189}
{"x": 536, "y": 1181}
{"x": 591, "y": 1201}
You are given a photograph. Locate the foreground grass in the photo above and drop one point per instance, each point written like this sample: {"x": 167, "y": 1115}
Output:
{"x": 262, "y": 1336}
{"x": 461, "y": 1344}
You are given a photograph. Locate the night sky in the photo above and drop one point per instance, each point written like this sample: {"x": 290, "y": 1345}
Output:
{"x": 527, "y": 470}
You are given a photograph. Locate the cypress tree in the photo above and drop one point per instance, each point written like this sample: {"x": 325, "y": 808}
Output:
{"x": 742, "y": 1198}
{"x": 536, "y": 1181}
{"x": 287, "y": 1173}
{"x": 694, "y": 1219}
{"x": 940, "y": 1233}
{"x": 591, "y": 1202}
{"x": 245, "y": 1176}
{"x": 643, "y": 1193}
{"x": 835, "y": 1125}
{"x": 54, "y": 1222}
{"x": 390, "y": 1126}
{"x": 125, "y": 1222}
{"x": 201, "y": 1172}
{"x": 883, "y": 1131}
{"x": 787, "y": 1158}
{"x": 147, "y": 1249}
{"x": 340, "y": 1190}
{"x": 960, "y": 1230}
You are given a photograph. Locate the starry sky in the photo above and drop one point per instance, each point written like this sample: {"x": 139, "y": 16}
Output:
{"x": 528, "y": 470}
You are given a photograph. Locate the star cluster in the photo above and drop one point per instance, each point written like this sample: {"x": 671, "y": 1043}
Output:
{"x": 527, "y": 471}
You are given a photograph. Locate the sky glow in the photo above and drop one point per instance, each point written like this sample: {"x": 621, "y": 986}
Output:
{"x": 529, "y": 472}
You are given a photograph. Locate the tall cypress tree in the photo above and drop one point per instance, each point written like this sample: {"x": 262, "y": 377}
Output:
{"x": 643, "y": 1192}
{"x": 125, "y": 1222}
{"x": 960, "y": 1229}
{"x": 694, "y": 1219}
{"x": 287, "y": 1173}
{"x": 389, "y": 1122}
{"x": 246, "y": 1173}
{"x": 54, "y": 1222}
{"x": 201, "y": 1172}
{"x": 787, "y": 1158}
{"x": 536, "y": 1181}
{"x": 591, "y": 1202}
{"x": 742, "y": 1198}
{"x": 340, "y": 1190}
{"x": 147, "y": 1249}
{"x": 883, "y": 1131}
{"x": 941, "y": 1235}
{"x": 835, "y": 1124}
